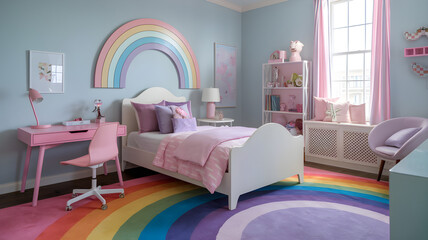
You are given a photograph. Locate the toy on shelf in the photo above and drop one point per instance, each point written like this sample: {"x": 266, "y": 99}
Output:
{"x": 418, "y": 69}
{"x": 420, "y": 32}
{"x": 295, "y": 49}
{"x": 278, "y": 56}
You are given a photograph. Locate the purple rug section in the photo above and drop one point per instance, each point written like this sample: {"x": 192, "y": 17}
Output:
{"x": 315, "y": 223}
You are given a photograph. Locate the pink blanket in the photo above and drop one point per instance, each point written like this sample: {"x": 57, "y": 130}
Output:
{"x": 197, "y": 147}
{"x": 211, "y": 173}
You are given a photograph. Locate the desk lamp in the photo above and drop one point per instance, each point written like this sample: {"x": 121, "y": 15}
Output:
{"x": 35, "y": 96}
{"x": 210, "y": 96}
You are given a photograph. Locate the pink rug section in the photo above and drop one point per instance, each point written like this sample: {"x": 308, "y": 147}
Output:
{"x": 27, "y": 222}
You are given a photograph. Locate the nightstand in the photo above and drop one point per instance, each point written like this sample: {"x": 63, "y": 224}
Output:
{"x": 214, "y": 122}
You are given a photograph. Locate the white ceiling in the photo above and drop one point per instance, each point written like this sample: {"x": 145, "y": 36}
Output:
{"x": 245, "y": 5}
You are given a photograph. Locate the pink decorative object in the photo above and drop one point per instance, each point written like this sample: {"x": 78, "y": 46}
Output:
{"x": 181, "y": 112}
{"x": 210, "y": 96}
{"x": 102, "y": 148}
{"x": 416, "y": 52}
{"x": 320, "y": 107}
{"x": 299, "y": 108}
{"x": 420, "y": 32}
{"x": 278, "y": 56}
{"x": 35, "y": 96}
{"x": 358, "y": 113}
{"x": 418, "y": 69}
{"x": 295, "y": 49}
{"x": 97, "y": 104}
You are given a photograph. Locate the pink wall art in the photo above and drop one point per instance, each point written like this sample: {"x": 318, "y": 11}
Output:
{"x": 225, "y": 74}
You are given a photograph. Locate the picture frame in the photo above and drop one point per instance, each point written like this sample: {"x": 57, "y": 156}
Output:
{"x": 297, "y": 80}
{"x": 225, "y": 70}
{"x": 46, "y": 71}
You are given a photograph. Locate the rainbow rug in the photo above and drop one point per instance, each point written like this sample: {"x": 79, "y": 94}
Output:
{"x": 326, "y": 206}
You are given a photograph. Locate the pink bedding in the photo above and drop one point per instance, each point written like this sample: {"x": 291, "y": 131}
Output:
{"x": 209, "y": 174}
{"x": 206, "y": 141}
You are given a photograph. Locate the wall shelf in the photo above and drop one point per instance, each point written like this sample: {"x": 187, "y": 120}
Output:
{"x": 416, "y": 52}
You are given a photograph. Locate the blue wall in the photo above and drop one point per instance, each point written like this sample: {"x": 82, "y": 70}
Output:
{"x": 265, "y": 30}
{"x": 79, "y": 29}
{"x": 409, "y": 92}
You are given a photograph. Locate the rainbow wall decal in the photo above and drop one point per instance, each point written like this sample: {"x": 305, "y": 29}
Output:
{"x": 139, "y": 35}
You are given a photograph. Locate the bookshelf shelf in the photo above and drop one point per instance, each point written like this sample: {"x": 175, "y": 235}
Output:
{"x": 277, "y": 101}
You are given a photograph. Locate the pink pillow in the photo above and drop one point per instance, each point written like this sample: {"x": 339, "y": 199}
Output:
{"x": 146, "y": 116}
{"x": 358, "y": 113}
{"x": 342, "y": 111}
{"x": 320, "y": 107}
{"x": 178, "y": 104}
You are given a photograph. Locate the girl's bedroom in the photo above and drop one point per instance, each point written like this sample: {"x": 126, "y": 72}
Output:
{"x": 214, "y": 119}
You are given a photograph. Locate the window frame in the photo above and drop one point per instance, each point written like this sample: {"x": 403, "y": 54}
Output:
{"x": 347, "y": 53}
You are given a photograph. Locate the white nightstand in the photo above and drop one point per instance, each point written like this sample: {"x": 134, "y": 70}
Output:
{"x": 214, "y": 122}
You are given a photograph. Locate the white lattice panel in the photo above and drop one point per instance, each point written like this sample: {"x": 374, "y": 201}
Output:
{"x": 356, "y": 148}
{"x": 340, "y": 144}
{"x": 322, "y": 142}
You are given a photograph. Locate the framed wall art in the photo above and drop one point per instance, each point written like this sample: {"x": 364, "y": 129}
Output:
{"x": 46, "y": 71}
{"x": 225, "y": 74}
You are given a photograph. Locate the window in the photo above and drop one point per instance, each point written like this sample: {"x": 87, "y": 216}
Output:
{"x": 351, "y": 37}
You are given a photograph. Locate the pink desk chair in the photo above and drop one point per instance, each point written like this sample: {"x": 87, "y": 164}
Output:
{"x": 102, "y": 148}
{"x": 394, "y": 148}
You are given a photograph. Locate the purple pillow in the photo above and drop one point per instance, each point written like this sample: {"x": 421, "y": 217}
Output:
{"x": 164, "y": 115}
{"x": 399, "y": 138}
{"x": 146, "y": 116}
{"x": 189, "y": 106}
{"x": 184, "y": 124}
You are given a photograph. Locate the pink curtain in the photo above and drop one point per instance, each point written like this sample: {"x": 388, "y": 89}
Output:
{"x": 321, "y": 58}
{"x": 380, "y": 74}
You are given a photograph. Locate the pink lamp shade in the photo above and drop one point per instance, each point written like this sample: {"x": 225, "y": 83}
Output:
{"x": 35, "y": 96}
{"x": 210, "y": 96}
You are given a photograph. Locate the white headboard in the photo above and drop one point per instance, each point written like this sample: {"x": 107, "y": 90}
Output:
{"x": 149, "y": 96}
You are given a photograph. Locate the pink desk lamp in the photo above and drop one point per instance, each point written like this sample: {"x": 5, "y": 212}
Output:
{"x": 210, "y": 96}
{"x": 35, "y": 96}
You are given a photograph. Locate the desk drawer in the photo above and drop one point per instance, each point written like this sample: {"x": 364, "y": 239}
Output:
{"x": 62, "y": 137}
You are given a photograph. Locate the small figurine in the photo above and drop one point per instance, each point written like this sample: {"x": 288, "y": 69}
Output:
{"x": 282, "y": 107}
{"x": 98, "y": 103}
{"x": 295, "y": 49}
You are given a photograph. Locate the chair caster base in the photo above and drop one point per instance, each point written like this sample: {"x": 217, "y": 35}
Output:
{"x": 68, "y": 208}
{"x": 104, "y": 207}
{"x": 122, "y": 195}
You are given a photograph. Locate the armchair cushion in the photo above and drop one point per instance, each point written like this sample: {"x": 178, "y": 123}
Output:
{"x": 399, "y": 138}
{"x": 391, "y": 151}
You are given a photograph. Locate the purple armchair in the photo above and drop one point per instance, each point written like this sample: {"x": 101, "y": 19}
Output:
{"x": 380, "y": 138}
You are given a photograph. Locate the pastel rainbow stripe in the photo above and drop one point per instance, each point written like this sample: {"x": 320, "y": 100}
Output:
{"x": 165, "y": 208}
{"x": 139, "y": 35}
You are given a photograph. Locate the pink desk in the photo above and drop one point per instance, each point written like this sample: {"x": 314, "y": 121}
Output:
{"x": 52, "y": 137}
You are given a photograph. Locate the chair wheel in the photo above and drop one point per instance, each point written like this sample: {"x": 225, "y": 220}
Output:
{"x": 73, "y": 195}
{"x": 122, "y": 195}
{"x": 68, "y": 208}
{"x": 104, "y": 207}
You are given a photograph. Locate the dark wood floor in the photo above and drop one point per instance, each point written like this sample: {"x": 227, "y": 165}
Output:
{"x": 16, "y": 198}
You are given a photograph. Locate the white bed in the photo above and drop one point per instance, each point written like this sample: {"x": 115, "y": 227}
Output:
{"x": 269, "y": 155}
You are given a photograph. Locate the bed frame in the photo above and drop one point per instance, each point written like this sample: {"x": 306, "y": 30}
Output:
{"x": 269, "y": 155}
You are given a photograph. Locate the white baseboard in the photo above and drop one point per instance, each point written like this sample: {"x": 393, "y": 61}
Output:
{"x": 16, "y": 186}
{"x": 347, "y": 165}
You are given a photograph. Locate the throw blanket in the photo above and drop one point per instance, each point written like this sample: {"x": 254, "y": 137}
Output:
{"x": 211, "y": 174}
{"x": 197, "y": 147}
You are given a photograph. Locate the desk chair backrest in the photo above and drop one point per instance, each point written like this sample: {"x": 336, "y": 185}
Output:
{"x": 103, "y": 146}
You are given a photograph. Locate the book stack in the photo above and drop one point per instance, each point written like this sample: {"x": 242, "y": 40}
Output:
{"x": 272, "y": 102}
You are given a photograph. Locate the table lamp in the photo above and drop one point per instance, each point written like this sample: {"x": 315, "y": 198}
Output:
{"x": 210, "y": 96}
{"x": 35, "y": 96}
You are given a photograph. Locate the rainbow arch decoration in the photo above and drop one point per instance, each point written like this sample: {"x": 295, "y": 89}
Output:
{"x": 137, "y": 36}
